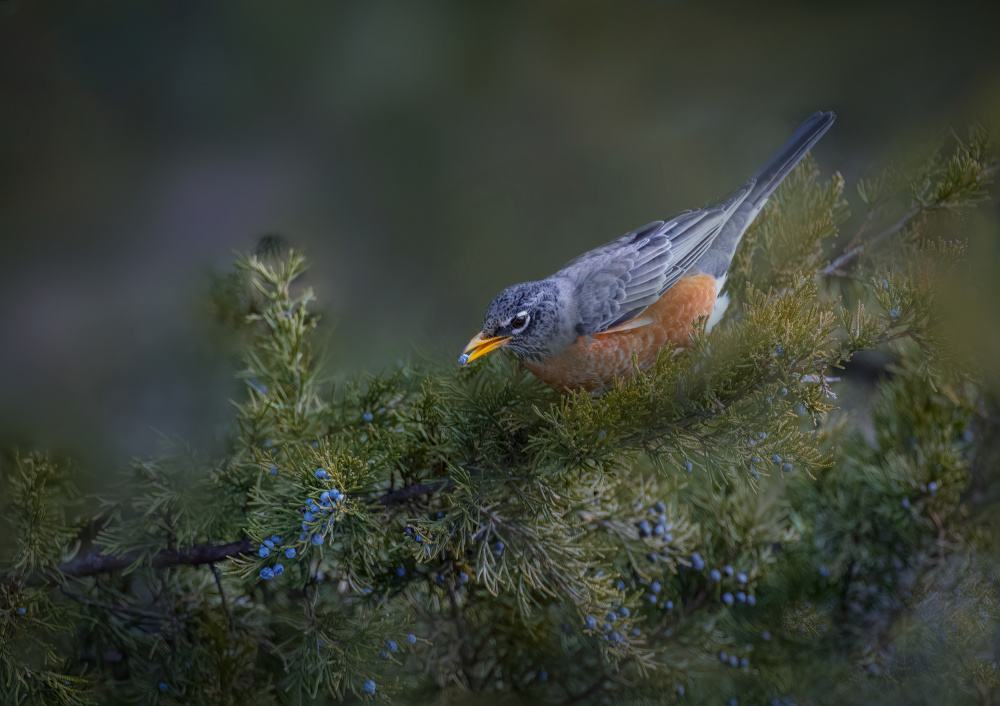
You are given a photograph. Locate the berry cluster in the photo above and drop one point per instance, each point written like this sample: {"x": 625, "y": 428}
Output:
{"x": 734, "y": 661}
{"x": 393, "y": 646}
{"x": 616, "y": 624}
{"x": 314, "y": 513}
{"x": 660, "y": 528}
{"x": 657, "y": 532}
{"x": 265, "y": 551}
{"x": 419, "y": 539}
{"x": 612, "y": 632}
{"x": 728, "y": 597}
{"x": 783, "y": 463}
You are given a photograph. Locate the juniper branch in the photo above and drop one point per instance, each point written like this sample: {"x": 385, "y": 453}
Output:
{"x": 222, "y": 594}
{"x": 834, "y": 268}
{"x": 94, "y": 562}
{"x": 401, "y": 495}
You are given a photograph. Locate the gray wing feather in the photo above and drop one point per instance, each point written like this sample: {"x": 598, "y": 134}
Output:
{"x": 617, "y": 281}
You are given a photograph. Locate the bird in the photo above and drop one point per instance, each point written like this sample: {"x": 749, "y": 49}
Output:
{"x": 582, "y": 327}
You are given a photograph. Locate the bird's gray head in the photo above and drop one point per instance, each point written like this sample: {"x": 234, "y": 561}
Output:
{"x": 529, "y": 318}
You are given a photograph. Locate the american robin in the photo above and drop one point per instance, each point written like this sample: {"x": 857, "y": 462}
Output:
{"x": 580, "y": 327}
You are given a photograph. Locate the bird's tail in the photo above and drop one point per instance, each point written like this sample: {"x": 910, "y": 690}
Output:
{"x": 716, "y": 259}
{"x": 781, "y": 164}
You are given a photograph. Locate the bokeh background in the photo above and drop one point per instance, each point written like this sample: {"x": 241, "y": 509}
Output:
{"x": 424, "y": 154}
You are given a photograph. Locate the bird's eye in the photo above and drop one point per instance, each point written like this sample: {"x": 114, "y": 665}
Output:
{"x": 519, "y": 321}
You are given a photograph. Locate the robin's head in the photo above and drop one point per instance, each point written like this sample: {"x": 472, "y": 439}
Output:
{"x": 524, "y": 317}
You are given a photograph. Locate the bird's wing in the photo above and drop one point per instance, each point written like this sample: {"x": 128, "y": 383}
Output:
{"x": 615, "y": 282}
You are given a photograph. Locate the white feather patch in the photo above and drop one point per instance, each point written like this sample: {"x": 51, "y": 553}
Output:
{"x": 721, "y": 304}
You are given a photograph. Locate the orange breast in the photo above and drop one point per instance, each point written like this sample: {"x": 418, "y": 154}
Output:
{"x": 593, "y": 362}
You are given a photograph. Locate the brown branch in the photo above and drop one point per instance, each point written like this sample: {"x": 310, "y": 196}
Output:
{"x": 222, "y": 594}
{"x": 699, "y": 599}
{"x": 403, "y": 494}
{"x": 94, "y": 562}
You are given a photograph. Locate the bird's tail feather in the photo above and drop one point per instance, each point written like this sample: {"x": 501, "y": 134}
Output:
{"x": 791, "y": 153}
{"x": 720, "y": 254}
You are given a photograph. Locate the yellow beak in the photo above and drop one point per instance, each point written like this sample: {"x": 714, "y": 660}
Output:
{"x": 480, "y": 346}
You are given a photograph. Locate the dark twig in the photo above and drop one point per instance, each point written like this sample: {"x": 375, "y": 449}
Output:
{"x": 222, "y": 594}
{"x": 94, "y": 562}
{"x": 834, "y": 267}
{"x": 403, "y": 494}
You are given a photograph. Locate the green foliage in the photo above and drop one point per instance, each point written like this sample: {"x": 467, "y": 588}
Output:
{"x": 790, "y": 236}
{"x": 713, "y": 527}
{"x": 37, "y": 493}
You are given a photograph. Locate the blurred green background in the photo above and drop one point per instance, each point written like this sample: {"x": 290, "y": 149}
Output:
{"x": 425, "y": 154}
